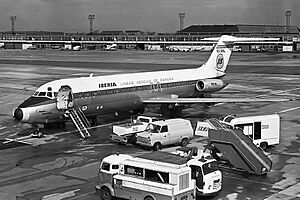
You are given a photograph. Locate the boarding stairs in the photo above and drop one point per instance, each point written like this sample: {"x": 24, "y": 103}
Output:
{"x": 80, "y": 121}
{"x": 238, "y": 148}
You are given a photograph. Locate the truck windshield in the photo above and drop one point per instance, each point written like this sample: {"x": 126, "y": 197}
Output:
{"x": 154, "y": 128}
{"x": 210, "y": 167}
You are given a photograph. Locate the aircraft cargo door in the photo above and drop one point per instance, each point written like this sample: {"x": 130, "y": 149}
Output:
{"x": 65, "y": 99}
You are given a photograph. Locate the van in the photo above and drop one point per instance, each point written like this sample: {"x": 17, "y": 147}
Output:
{"x": 166, "y": 132}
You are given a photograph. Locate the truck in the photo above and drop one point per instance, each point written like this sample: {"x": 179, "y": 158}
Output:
{"x": 264, "y": 130}
{"x": 166, "y": 132}
{"x": 204, "y": 170}
{"x": 127, "y": 177}
{"x": 126, "y": 133}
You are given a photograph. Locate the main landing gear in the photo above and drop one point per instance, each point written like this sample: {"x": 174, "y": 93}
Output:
{"x": 171, "y": 110}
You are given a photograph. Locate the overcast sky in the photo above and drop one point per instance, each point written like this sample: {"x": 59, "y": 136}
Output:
{"x": 151, "y": 15}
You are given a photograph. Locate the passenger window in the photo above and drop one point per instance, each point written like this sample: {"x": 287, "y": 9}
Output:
{"x": 105, "y": 166}
{"x": 49, "y": 94}
{"x": 162, "y": 177}
{"x": 115, "y": 166}
{"x": 164, "y": 129}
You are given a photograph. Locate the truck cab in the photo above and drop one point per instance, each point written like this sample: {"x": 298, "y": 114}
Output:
{"x": 108, "y": 168}
{"x": 204, "y": 170}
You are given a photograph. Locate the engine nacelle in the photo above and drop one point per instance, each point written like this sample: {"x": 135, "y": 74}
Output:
{"x": 210, "y": 85}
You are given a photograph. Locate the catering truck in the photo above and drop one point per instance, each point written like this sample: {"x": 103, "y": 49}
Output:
{"x": 166, "y": 132}
{"x": 264, "y": 130}
{"x": 141, "y": 178}
{"x": 126, "y": 133}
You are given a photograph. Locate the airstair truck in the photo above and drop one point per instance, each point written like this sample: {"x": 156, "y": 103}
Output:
{"x": 140, "y": 178}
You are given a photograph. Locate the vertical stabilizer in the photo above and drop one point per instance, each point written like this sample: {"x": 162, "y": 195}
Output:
{"x": 217, "y": 63}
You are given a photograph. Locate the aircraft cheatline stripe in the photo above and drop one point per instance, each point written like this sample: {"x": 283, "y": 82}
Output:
{"x": 156, "y": 86}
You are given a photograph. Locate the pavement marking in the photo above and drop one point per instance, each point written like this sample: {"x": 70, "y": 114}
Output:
{"x": 5, "y": 132}
{"x": 288, "y": 110}
{"x": 248, "y": 180}
{"x": 85, "y": 194}
{"x": 57, "y": 196}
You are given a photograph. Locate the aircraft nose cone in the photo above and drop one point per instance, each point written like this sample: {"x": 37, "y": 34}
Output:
{"x": 18, "y": 114}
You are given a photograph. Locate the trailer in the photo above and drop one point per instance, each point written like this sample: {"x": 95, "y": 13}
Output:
{"x": 126, "y": 133}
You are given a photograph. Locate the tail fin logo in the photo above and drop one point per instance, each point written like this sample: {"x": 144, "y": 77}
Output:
{"x": 220, "y": 61}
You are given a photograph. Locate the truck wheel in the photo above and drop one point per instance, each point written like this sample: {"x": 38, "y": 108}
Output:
{"x": 184, "y": 142}
{"x": 105, "y": 193}
{"x": 156, "y": 146}
{"x": 263, "y": 145}
{"x": 148, "y": 198}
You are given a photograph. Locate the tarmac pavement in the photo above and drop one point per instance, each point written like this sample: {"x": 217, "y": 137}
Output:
{"x": 66, "y": 167}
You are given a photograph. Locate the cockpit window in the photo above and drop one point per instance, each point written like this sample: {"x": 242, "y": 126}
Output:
{"x": 42, "y": 94}
{"x": 49, "y": 94}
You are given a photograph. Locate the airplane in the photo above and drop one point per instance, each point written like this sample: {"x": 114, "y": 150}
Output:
{"x": 59, "y": 100}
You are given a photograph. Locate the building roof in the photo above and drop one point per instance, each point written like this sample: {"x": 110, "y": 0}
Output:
{"x": 112, "y": 33}
{"x": 240, "y": 28}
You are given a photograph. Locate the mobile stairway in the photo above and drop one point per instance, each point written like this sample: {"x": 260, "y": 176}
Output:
{"x": 80, "y": 121}
{"x": 238, "y": 148}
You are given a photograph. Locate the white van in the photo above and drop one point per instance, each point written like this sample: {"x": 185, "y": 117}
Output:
{"x": 166, "y": 132}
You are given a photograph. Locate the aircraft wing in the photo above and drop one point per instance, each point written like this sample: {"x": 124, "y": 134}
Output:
{"x": 167, "y": 100}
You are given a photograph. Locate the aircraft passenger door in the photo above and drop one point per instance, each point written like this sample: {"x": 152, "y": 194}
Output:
{"x": 65, "y": 99}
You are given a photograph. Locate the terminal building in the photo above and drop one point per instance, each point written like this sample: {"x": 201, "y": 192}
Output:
{"x": 289, "y": 38}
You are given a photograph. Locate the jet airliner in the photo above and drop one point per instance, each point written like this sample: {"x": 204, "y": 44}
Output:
{"x": 97, "y": 95}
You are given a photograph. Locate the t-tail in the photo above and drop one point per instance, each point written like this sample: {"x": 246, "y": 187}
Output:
{"x": 217, "y": 63}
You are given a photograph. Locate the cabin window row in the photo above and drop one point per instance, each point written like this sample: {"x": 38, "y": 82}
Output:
{"x": 147, "y": 174}
{"x": 132, "y": 89}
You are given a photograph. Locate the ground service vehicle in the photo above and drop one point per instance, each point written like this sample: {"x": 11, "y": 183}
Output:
{"x": 166, "y": 132}
{"x": 140, "y": 178}
{"x": 264, "y": 130}
{"x": 126, "y": 133}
